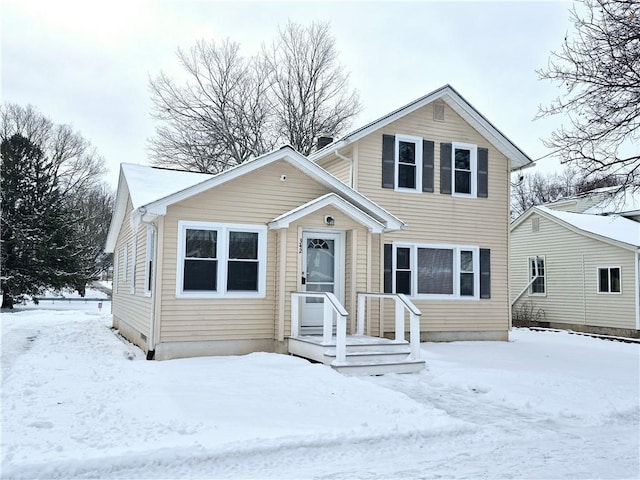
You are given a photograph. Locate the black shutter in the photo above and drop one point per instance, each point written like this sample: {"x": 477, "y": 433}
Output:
{"x": 388, "y": 263}
{"x": 445, "y": 168}
{"x": 485, "y": 273}
{"x": 388, "y": 161}
{"x": 427, "y": 165}
{"x": 483, "y": 172}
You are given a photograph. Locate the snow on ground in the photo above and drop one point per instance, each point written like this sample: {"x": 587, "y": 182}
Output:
{"x": 79, "y": 402}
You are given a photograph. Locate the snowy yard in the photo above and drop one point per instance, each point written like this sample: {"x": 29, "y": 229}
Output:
{"x": 79, "y": 402}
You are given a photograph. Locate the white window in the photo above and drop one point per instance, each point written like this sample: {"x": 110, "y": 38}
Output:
{"x": 149, "y": 259}
{"x": 609, "y": 280}
{"x": 436, "y": 271}
{"x": 538, "y": 275}
{"x": 464, "y": 169}
{"x": 217, "y": 260}
{"x": 408, "y": 169}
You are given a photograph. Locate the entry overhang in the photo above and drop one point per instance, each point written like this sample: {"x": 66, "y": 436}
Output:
{"x": 330, "y": 199}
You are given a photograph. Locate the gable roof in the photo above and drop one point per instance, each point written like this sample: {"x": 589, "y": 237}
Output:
{"x": 152, "y": 190}
{"x": 284, "y": 220}
{"x": 610, "y": 228}
{"x": 463, "y": 108}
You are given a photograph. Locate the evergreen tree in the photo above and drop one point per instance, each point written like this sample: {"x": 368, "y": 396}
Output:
{"x": 38, "y": 249}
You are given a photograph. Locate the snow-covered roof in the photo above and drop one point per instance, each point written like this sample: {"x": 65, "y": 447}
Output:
{"x": 152, "y": 190}
{"x": 463, "y": 108}
{"x": 147, "y": 184}
{"x": 612, "y": 227}
{"x": 626, "y": 201}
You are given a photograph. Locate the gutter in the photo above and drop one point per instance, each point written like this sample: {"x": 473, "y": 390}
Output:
{"x": 346, "y": 159}
{"x": 152, "y": 327}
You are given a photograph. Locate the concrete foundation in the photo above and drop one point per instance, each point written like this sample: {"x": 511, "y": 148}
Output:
{"x": 615, "y": 332}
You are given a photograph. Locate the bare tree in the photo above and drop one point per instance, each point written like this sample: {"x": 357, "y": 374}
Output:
{"x": 232, "y": 108}
{"x": 217, "y": 118}
{"x": 599, "y": 69}
{"x": 310, "y": 87}
{"x": 78, "y": 166}
{"x": 538, "y": 188}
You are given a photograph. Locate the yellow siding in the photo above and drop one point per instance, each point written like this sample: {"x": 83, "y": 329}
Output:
{"x": 256, "y": 198}
{"x": 445, "y": 219}
{"x": 571, "y": 263}
{"x": 132, "y": 309}
{"x": 338, "y": 167}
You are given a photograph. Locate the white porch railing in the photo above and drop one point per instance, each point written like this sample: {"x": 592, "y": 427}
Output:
{"x": 332, "y": 309}
{"x": 402, "y": 304}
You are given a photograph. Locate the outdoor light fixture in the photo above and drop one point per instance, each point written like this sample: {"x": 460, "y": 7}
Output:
{"x": 329, "y": 220}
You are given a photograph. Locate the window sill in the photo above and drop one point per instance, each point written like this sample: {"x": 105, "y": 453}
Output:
{"x": 537, "y": 294}
{"x": 609, "y": 293}
{"x": 464, "y": 195}
{"x": 444, "y": 297}
{"x": 216, "y": 295}
{"x": 408, "y": 190}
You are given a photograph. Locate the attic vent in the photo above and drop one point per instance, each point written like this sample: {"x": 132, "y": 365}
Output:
{"x": 323, "y": 141}
{"x": 438, "y": 112}
{"x": 535, "y": 224}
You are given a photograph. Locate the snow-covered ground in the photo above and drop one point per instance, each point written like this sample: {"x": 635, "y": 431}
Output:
{"x": 79, "y": 402}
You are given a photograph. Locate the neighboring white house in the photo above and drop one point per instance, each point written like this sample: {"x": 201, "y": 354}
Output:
{"x": 575, "y": 264}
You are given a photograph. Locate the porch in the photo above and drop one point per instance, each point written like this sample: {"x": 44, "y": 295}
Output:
{"x": 357, "y": 354}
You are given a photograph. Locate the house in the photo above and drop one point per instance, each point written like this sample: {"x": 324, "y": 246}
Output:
{"x": 575, "y": 264}
{"x": 399, "y": 226}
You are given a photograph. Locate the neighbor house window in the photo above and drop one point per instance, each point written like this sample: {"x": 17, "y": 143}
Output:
{"x": 538, "y": 275}
{"x": 609, "y": 280}
{"x": 436, "y": 271}
{"x": 221, "y": 259}
{"x": 408, "y": 162}
{"x": 464, "y": 169}
{"x": 125, "y": 262}
{"x": 149, "y": 259}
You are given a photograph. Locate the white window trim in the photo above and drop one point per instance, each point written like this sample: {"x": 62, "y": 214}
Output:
{"x": 151, "y": 237}
{"x": 609, "y": 267}
{"x": 134, "y": 262}
{"x": 418, "y": 142}
{"x": 456, "y": 270}
{"x": 125, "y": 263}
{"x": 473, "y": 149}
{"x": 530, "y": 274}
{"x": 223, "y": 230}
{"x": 116, "y": 270}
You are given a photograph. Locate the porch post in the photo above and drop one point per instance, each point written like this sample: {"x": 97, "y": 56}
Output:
{"x": 360, "y": 325}
{"x": 327, "y": 322}
{"x": 399, "y": 320}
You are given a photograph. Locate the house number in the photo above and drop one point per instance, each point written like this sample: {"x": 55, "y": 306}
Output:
{"x": 300, "y": 246}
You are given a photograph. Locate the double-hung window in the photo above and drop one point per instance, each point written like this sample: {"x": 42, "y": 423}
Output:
{"x": 464, "y": 169}
{"x": 537, "y": 274}
{"x": 436, "y": 271}
{"x": 221, "y": 260}
{"x": 609, "y": 280}
{"x": 408, "y": 170}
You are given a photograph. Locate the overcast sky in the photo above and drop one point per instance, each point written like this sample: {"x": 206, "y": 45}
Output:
{"x": 88, "y": 63}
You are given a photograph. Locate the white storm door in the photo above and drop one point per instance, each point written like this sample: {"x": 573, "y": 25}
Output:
{"x": 322, "y": 271}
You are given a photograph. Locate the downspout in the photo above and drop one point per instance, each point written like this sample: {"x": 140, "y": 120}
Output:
{"x": 152, "y": 328}
{"x": 346, "y": 159}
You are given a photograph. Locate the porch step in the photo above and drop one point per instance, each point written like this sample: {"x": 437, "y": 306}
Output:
{"x": 364, "y": 355}
{"x": 380, "y": 368}
{"x": 360, "y": 356}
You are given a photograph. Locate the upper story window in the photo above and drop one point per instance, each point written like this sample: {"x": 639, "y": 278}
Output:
{"x": 149, "y": 259}
{"x": 221, "y": 260}
{"x": 407, "y": 163}
{"x": 464, "y": 169}
{"x": 408, "y": 168}
{"x": 609, "y": 280}
{"x": 537, "y": 273}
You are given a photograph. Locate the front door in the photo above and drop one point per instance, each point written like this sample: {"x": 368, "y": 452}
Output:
{"x": 322, "y": 271}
